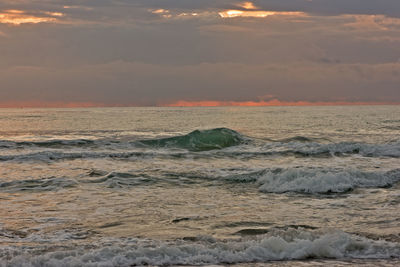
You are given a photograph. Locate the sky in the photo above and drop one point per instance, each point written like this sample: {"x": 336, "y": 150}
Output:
{"x": 71, "y": 53}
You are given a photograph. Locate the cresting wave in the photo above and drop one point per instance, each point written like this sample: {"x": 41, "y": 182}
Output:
{"x": 298, "y": 180}
{"x": 200, "y": 140}
{"x": 293, "y": 244}
{"x": 315, "y": 151}
{"x": 320, "y": 181}
{"x": 307, "y": 181}
{"x": 221, "y": 142}
{"x": 344, "y": 148}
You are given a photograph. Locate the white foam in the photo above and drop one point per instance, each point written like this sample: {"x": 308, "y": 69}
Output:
{"x": 283, "y": 245}
{"x": 106, "y": 149}
{"x": 370, "y": 150}
{"x": 364, "y": 149}
{"x": 323, "y": 181}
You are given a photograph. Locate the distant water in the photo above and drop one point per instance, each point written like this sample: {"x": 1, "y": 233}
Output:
{"x": 307, "y": 186}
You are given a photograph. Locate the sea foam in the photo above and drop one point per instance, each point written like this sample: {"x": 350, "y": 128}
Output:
{"x": 280, "y": 245}
{"x": 323, "y": 180}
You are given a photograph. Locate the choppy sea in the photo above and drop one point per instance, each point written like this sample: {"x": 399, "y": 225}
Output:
{"x": 253, "y": 186}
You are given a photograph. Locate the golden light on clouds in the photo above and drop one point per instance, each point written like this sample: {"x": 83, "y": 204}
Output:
{"x": 252, "y": 11}
{"x": 245, "y": 9}
{"x": 257, "y": 14}
{"x": 273, "y": 102}
{"x": 165, "y": 13}
{"x": 188, "y": 14}
{"x": 160, "y": 11}
{"x": 247, "y": 5}
{"x": 18, "y": 17}
{"x": 14, "y": 11}
{"x": 55, "y": 14}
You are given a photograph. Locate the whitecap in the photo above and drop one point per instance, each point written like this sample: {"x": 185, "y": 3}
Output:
{"x": 323, "y": 180}
{"x": 276, "y": 246}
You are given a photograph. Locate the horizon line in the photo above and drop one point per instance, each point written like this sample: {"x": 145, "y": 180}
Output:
{"x": 184, "y": 103}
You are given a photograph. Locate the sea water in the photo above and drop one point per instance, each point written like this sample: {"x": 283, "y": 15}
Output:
{"x": 200, "y": 186}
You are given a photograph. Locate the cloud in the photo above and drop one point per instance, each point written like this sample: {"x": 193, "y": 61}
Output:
{"x": 124, "y": 83}
{"x": 146, "y": 52}
{"x": 247, "y": 5}
{"x": 274, "y": 102}
{"x": 110, "y": 11}
{"x": 18, "y": 17}
{"x": 257, "y": 14}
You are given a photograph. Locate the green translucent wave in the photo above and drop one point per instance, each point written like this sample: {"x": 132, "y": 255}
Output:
{"x": 200, "y": 140}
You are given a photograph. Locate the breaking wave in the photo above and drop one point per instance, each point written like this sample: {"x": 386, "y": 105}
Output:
{"x": 200, "y": 140}
{"x": 298, "y": 180}
{"x": 314, "y": 181}
{"x": 343, "y": 148}
{"x": 314, "y": 151}
{"x": 220, "y": 142}
{"x": 303, "y": 180}
{"x": 293, "y": 244}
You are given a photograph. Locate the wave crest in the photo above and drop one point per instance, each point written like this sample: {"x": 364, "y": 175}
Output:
{"x": 199, "y": 140}
{"x": 277, "y": 246}
{"x": 314, "y": 181}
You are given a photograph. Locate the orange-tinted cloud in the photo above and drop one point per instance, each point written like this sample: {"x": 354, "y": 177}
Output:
{"x": 18, "y": 17}
{"x": 248, "y": 9}
{"x": 183, "y": 103}
{"x": 257, "y": 13}
{"x": 159, "y": 11}
{"x": 247, "y": 5}
{"x": 273, "y": 102}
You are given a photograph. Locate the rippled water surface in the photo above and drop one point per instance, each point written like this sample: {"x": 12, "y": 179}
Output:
{"x": 199, "y": 186}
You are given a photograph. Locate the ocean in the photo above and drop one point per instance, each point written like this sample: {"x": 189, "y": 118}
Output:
{"x": 252, "y": 186}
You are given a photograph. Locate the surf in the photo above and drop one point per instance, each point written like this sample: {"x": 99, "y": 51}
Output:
{"x": 277, "y": 245}
{"x": 199, "y": 140}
